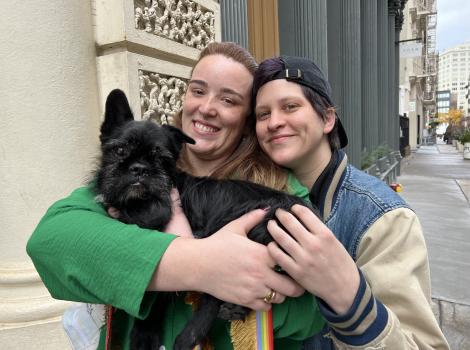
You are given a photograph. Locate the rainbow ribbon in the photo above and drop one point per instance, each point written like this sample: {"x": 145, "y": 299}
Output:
{"x": 264, "y": 330}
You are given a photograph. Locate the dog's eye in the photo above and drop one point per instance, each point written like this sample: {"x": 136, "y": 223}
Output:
{"x": 120, "y": 151}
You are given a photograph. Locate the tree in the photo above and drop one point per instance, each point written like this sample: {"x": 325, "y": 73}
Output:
{"x": 453, "y": 117}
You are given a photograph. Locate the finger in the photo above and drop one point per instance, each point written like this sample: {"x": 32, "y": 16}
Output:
{"x": 175, "y": 195}
{"x": 282, "y": 259}
{"x": 308, "y": 218}
{"x": 294, "y": 227}
{"x": 285, "y": 240}
{"x": 113, "y": 212}
{"x": 284, "y": 285}
{"x": 278, "y": 297}
{"x": 246, "y": 222}
{"x": 260, "y": 305}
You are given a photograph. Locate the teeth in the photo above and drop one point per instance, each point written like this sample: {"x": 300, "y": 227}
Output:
{"x": 204, "y": 128}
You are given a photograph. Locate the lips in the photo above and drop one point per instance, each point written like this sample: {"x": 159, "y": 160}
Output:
{"x": 279, "y": 138}
{"x": 204, "y": 127}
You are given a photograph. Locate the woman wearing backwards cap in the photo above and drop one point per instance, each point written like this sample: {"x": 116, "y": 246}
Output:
{"x": 369, "y": 264}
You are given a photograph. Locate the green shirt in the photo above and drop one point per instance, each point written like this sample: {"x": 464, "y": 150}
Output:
{"x": 84, "y": 255}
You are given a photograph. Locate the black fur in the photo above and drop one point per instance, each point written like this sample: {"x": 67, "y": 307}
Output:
{"x": 136, "y": 175}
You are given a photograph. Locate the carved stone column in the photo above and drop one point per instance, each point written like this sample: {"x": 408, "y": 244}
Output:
{"x": 370, "y": 106}
{"x": 344, "y": 62}
{"x": 303, "y": 30}
{"x": 50, "y": 120}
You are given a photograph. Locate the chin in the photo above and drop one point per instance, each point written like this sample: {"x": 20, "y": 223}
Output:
{"x": 281, "y": 161}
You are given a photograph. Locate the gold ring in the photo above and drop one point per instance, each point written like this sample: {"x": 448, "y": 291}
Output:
{"x": 269, "y": 297}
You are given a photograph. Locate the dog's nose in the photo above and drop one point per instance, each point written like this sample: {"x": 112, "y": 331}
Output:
{"x": 138, "y": 169}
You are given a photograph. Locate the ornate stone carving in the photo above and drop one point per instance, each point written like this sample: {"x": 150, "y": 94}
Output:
{"x": 160, "y": 96}
{"x": 184, "y": 21}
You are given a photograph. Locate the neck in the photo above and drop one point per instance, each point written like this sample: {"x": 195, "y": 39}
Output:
{"x": 308, "y": 170}
{"x": 202, "y": 167}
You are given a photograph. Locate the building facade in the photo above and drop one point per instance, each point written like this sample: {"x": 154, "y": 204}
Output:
{"x": 418, "y": 68}
{"x": 454, "y": 72}
{"x": 443, "y": 99}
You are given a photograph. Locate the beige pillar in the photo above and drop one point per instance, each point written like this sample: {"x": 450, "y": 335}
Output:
{"x": 49, "y": 125}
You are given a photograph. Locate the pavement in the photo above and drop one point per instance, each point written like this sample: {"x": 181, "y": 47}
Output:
{"x": 436, "y": 184}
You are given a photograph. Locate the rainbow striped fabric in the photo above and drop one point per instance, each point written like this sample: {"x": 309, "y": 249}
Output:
{"x": 264, "y": 330}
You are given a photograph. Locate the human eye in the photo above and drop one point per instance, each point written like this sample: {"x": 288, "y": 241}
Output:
{"x": 291, "y": 107}
{"x": 262, "y": 115}
{"x": 197, "y": 91}
{"x": 228, "y": 100}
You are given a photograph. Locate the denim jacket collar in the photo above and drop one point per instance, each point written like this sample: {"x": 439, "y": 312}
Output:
{"x": 325, "y": 187}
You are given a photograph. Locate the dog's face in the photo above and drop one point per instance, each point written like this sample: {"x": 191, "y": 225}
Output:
{"x": 138, "y": 157}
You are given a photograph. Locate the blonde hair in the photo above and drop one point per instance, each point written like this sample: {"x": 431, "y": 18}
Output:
{"x": 248, "y": 161}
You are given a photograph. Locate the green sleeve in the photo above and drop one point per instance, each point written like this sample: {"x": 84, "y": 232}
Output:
{"x": 83, "y": 255}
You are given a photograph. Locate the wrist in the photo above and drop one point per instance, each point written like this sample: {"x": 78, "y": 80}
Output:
{"x": 341, "y": 300}
{"x": 178, "y": 269}
{"x": 363, "y": 323}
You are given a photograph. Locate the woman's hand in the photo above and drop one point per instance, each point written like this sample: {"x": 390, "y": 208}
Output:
{"x": 315, "y": 258}
{"x": 241, "y": 271}
{"x": 178, "y": 224}
{"x": 226, "y": 265}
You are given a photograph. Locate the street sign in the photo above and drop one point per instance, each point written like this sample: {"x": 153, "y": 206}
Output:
{"x": 411, "y": 49}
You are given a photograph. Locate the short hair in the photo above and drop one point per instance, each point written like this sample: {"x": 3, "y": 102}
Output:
{"x": 267, "y": 71}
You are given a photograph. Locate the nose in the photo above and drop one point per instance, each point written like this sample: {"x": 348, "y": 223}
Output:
{"x": 207, "y": 106}
{"x": 276, "y": 120}
{"x": 138, "y": 169}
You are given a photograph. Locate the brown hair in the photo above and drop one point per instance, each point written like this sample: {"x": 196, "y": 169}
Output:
{"x": 248, "y": 161}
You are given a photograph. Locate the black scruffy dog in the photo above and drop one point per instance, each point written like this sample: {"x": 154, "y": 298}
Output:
{"x": 136, "y": 175}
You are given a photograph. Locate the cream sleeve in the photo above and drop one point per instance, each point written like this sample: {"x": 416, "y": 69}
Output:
{"x": 393, "y": 258}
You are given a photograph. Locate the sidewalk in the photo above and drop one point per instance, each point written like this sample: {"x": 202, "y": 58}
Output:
{"x": 436, "y": 184}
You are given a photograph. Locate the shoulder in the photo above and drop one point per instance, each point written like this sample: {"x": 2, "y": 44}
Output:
{"x": 368, "y": 189}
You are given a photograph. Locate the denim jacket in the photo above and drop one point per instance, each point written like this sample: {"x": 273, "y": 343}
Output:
{"x": 372, "y": 221}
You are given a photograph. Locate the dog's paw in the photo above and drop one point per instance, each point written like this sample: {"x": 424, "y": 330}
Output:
{"x": 186, "y": 341}
{"x": 231, "y": 312}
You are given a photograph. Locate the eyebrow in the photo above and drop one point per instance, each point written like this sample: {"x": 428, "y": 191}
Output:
{"x": 224, "y": 90}
{"x": 282, "y": 100}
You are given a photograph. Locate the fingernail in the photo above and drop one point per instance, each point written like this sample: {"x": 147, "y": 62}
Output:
{"x": 266, "y": 208}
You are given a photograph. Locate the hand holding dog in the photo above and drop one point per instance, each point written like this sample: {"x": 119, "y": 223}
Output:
{"x": 178, "y": 224}
{"x": 315, "y": 258}
{"x": 245, "y": 272}
{"x": 226, "y": 265}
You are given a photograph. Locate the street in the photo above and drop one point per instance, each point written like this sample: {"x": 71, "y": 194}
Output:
{"x": 436, "y": 184}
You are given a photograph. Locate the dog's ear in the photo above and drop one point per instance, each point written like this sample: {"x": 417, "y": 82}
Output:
{"x": 117, "y": 113}
{"x": 178, "y": 138}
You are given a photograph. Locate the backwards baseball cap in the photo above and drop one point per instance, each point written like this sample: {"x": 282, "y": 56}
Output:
{"x": 305, "y": 72}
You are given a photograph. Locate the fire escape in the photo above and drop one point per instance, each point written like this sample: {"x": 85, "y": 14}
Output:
{"x": 425, "y": 17}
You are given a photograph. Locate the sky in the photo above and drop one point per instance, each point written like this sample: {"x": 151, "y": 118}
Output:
{"x": 453, "y": 23}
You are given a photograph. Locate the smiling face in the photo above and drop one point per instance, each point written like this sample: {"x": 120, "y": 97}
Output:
{"x": 289, "y": 129}
{"x": 215, "y": 107}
